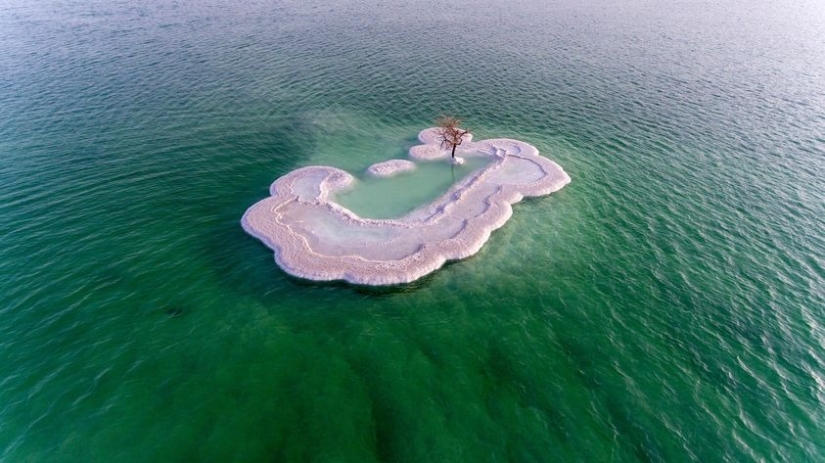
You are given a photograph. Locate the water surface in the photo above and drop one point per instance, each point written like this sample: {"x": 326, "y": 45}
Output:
{"x": 667, "y": 305}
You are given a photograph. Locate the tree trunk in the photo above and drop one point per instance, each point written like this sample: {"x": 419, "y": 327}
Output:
{"x": 454, "y": 151}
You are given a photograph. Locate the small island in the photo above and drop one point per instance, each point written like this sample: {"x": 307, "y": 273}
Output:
{"x": 316, "y": 238}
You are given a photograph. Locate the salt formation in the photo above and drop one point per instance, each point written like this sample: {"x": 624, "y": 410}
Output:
{"x": 316, "y": 238}
{"x": 390, "y": 168}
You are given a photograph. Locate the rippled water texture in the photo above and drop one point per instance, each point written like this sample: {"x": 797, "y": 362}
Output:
{"x": 665, "y": 306}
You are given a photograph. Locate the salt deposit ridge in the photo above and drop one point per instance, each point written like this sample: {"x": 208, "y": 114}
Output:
{"x": 316, "y": 238}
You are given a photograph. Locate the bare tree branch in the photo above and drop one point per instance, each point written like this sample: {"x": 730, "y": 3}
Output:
{"x": 450, "y": 133}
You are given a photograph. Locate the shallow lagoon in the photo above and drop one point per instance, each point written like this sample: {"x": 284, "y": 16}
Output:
{"x": 387, "y": 198}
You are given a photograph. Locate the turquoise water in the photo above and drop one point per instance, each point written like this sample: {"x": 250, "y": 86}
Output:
{"x": 386, "y": 198}
{"x": 667, "y": 305}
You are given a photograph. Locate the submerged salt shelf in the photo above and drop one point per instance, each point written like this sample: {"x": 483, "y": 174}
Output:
{"x": 390, "y": 168}
{"x": 316, "y": 238}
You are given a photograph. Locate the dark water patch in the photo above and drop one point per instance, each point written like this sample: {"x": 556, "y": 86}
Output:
{"x": 174, "y": 311}
{"x": 634, "y": 435}
{"x": 582, "y": 362}
{"x": 509, "y": 391}
{"x": 375, "y": 291}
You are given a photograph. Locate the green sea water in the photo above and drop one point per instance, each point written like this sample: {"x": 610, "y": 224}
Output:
{"x": 668, "y": 305}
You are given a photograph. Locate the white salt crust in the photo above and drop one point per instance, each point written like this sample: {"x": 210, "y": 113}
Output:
{"x": 390, "y": 168}
{"x": 316, "y": 238}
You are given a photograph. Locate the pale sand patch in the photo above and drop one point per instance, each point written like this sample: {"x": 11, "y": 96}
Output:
{"x": 316, "y": 238}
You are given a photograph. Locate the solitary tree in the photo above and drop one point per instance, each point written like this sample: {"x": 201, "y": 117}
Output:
{"x": 451, "y": 135}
